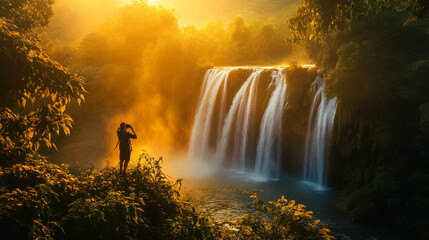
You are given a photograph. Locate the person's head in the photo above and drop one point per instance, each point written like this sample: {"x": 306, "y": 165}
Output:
{"x": 122, "y": 126}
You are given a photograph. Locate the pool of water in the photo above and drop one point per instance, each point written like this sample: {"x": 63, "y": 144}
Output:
{"x": 209, "y": 194}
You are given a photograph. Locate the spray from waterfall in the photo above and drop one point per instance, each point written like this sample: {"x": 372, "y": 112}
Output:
{"x": 319, "y": 129}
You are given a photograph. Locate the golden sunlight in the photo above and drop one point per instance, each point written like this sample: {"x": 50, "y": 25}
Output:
{"x": 150, "y": 2}
{"x": 105, "y": 103}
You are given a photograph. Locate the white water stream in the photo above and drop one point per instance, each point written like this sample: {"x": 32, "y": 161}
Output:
{"x": 319, "y": 129}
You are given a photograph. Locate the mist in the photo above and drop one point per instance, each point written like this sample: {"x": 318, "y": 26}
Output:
{"x": 75, "y": 18}
{"x": 199, "y": 13}
{"x": 142, "y": 67}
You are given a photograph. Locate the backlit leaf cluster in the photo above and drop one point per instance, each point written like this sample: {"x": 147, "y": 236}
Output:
{"x": 34, "y": 89}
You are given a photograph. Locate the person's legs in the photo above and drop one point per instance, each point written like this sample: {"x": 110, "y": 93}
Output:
{"x": 127, "y": 160}
{"x": 122, "y": 157}
{"x": 126, "y": 165}
{"x": 121, "y": 162}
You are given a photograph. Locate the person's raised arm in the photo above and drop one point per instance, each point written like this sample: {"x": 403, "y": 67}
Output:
{"x": 134, "y": 135}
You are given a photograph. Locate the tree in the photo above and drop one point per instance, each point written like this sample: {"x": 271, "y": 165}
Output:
{"x": 34, "y": 89}
{"x": 315, "y": 18}
{"x": 27, "y": 15}
{"x": 419, "y": 9}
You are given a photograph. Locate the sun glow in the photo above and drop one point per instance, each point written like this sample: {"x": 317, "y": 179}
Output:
{"x": 150, "y": 2}
{"x": 153, "y": 2}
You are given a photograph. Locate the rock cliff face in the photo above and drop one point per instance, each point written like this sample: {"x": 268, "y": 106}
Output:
{"x": 353, "y": 154}
{"x": 298, "y": 106}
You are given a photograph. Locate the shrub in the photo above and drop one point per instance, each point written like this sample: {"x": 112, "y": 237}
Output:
{"x": 41, "y": 200}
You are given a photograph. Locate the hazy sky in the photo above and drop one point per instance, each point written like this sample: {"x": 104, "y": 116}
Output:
{"x": 199, "y": 12}
{"x": 75, "y": 18}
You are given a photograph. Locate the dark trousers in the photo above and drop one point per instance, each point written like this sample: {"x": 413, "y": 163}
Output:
{"x": 124, "y": 159}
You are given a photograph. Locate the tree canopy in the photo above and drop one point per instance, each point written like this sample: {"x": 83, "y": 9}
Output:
{"x": 27, "y": 14}
{"x": 314, "y": 18}
{"x": 35, "y": 90}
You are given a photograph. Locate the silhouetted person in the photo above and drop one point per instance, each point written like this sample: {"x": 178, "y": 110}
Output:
{"x": 125, "y": 145}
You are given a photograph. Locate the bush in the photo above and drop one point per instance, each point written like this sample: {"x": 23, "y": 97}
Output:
{"x": 41, "y": 200}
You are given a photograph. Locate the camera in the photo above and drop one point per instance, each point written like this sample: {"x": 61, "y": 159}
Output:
{"x": 128, "y": 125}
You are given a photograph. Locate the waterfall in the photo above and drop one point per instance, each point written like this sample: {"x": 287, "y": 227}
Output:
{"x": 201, "y": 130}
{"x": 233, "y": 127}
{"x": 238, "y": 114}
{"x": 269, "y": 146}
{"x": 319, "y": 128}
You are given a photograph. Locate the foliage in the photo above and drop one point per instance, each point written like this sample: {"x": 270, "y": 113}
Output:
{"x": 35, "y": 90}
{"x": 419, "y": 9}
{"x": 390, "y": 76}
{"x": 282, "y": 219}
{"x": 27, "y": 14}
{"x": 316, "y": 18}
{"x": 375, "y": 58}
{"x": 40, "y": 200}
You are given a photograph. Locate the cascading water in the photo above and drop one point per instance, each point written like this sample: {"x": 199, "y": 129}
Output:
{"x": 248, "y": 137}
{"x": 201, "y": 130}
{"x": 269, "y": 146}
{"x": 319, "y": 128}
{"x": 239, "y": 114}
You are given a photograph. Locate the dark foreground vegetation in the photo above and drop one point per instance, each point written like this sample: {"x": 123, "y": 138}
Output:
{"x": 40, "y": 200}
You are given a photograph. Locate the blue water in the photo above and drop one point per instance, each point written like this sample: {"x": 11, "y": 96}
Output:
{"x": 209, "y": 194}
